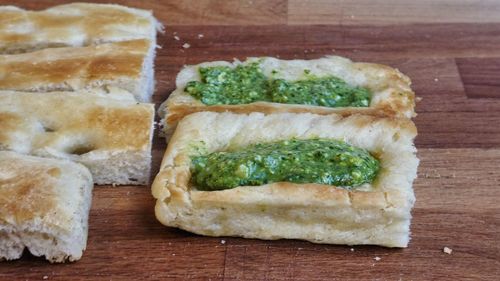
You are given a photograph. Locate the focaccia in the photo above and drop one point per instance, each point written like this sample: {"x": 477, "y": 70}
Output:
{"x": 391, "y": 92}
{"x": 128, "y": 65}
{"x": 44, "y": 206}
{"x": 112, "y": 137}
{"x": 73, "y": 25}
{"x": 376, "y": 213}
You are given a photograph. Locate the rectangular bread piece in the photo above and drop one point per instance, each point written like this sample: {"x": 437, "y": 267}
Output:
{"x": 73, "y": 25}
{"x": 391, "y": 92}
{"x": 128, "y": 65}
{"x": 377, "y": 213}
{"x": 112, "y": 137}
{"x": 44, "y": 206}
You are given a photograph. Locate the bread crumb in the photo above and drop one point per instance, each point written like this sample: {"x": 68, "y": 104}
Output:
{"x": 447, "y": 250}
{"x": 200, "y": 36}
{"x": 377, "y": 258}
{"x": 436, "y": 79}
{"x": 223, "y": 242}
{"x": 352, "y": 249}
{"x": 45, "y": 277}
{"x": 186, "y": 46}
{"x": 177, "y": 38}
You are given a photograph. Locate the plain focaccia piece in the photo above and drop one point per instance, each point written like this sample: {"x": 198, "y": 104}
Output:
{"x": 377, "y": 213}
{"x": 391, "y": 90}
{"x": 44, "y": 206}
{"x": 73, "y": 25}
{"x": 111, "y": 137}
{"x": 128, "y": 65}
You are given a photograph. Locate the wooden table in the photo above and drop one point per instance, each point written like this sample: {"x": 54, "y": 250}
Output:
{"x": 451, "y": 51}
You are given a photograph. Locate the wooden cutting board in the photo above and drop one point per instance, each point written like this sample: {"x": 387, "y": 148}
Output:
{"x": 451, "y": 51}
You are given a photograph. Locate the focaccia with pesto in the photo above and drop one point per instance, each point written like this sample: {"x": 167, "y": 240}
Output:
{"x": 323, "y": 178}
{"x": 269, "y": 85}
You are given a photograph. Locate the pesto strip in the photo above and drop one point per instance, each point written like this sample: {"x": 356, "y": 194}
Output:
{"x": 246, "y": 84}
{"x": 321, "y": 161}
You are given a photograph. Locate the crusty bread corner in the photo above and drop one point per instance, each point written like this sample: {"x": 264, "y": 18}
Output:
{"x": 110, "y": 136}
{"x": 44, "y": 207}
{"x": 392, "y": 94}
{"x": 73, "y": 25}
{"x": 375, "y": 214}
{"x": 127, "y": 65}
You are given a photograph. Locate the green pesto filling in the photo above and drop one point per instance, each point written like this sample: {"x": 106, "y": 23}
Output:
{"x": 321, "y": 161}
{"x": 225, "y": 85}
{"x": 246, "y": 84}
{"x": 326, "y": 91}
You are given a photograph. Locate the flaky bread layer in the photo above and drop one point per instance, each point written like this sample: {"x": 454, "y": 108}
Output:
{"x": 44, "y": 207}
{"x": 112, "y": 137}
{"x": 392, "y": 95}
{"x": 377, "y": 213}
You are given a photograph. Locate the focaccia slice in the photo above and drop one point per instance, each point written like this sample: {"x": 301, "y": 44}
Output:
{"x": 111, "y": 137}
{"x": 391, "y": 92}
{"x": 128, "y": 65}
{"x": 377, "y": 213}
{"x": 44, "y": 206}
{"x": 73, "y": 25}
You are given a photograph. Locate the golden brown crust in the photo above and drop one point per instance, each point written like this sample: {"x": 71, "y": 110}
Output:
{"x": 77, "y": 24}
{"x": 178, "y": 111}
{"x": 392, "y": 95}
{"x": 44, "y": 207}
{"x": 23, "y": 188}
{"x": 56, "y": 118}
{"x": 73, "y": 68}
{"x": 112, "y": 137}
{"x": 27, "y": 196}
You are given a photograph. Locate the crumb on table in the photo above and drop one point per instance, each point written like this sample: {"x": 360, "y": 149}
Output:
{"x": 447, "y": 250}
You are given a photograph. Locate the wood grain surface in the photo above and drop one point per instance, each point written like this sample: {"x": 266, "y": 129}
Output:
{"x": 451, "y": 51}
